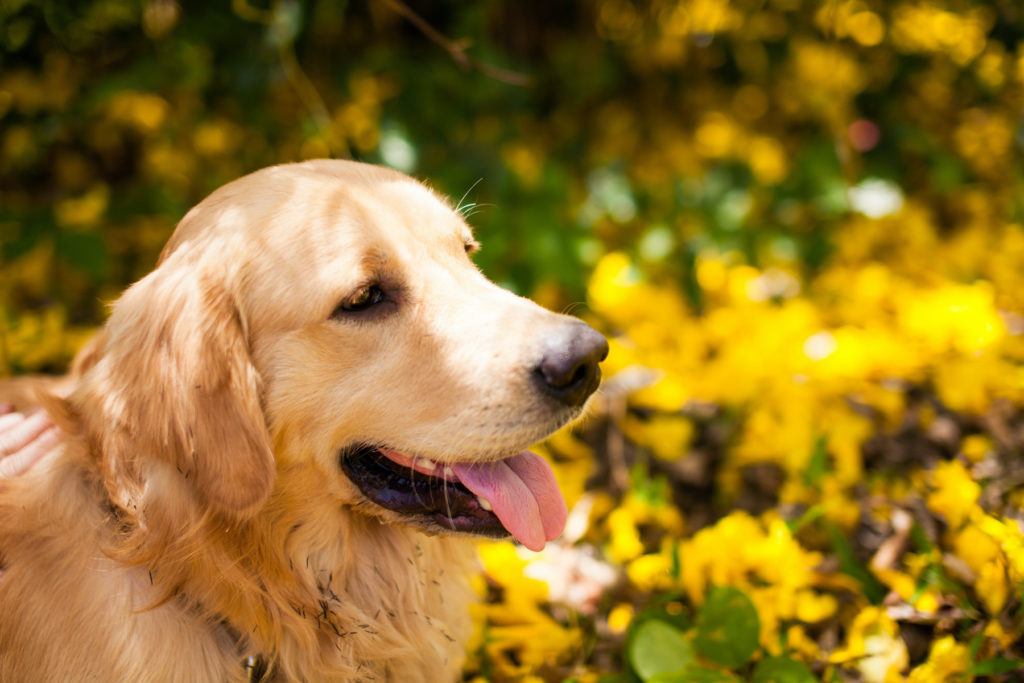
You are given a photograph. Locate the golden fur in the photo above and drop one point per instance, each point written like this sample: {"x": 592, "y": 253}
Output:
{"x": 196, "y": 515}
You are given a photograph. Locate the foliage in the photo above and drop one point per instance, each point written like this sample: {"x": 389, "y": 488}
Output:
{"x": 800, "y": 224}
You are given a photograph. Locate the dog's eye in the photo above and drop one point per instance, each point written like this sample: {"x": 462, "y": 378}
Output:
{"x": 365, "y": 298}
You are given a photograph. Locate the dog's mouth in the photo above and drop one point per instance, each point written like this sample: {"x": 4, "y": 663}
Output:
{"x": 517, "y": 495}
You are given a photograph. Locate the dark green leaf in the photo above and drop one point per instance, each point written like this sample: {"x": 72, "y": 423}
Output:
{"x": 996, "y": 665}
{"x": 658, "y": 610}
{"x": 849, "y": 565}
{"x": 818, "y": 466}
{"x": 728, "y": 627}
{"x": 694, "y": 674}
{"x": 782, "y": 670}
{"x": 84, "y": 251}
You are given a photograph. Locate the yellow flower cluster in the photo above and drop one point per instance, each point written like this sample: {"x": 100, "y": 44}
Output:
{"x": 515, "y": 637}
{"x": 38, "y": 340}
{"x": 810, "y": 370}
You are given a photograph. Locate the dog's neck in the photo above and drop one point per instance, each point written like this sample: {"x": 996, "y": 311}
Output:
{"x": 308, "y": 584}
{"x": 307, "y": 575}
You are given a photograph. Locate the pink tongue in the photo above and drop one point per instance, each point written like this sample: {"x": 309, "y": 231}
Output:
{"x": 523, "y": 493}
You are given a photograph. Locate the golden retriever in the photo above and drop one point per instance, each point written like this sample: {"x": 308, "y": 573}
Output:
{"x": 282, "y": 444}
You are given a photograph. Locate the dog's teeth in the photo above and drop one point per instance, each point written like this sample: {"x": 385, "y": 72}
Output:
{"x": 448, "y": 471}
{"x": 426, "y": 463}
{"x": 484, "y": 503}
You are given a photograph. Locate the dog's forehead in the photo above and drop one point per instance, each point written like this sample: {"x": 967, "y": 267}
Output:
{"x": 319, "y": 205}
{"x": 392, "y": 213}
{"x": 416, "y": 208}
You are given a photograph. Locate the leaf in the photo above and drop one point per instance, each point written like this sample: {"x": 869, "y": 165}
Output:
{"x": 818, "y": 465}
{"x": 694, "y": 674}
{"x": 849, "y": 565}
{"x": 658, "y": 609}
{"x": 975, "y": 644}
{"x": 656, "y": 647}
{"x": 996, "y": 665}
{"x": 782, "y": 670}
{"x": 85, "y": 251}
{"x": 728, "y": 627}
{"x": 812, "y": 514}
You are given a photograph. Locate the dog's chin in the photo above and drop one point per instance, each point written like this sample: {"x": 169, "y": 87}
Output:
{"x": 437, "y": 503}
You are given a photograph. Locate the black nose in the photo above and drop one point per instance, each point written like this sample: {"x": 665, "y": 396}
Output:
{"x": 568, "y": 370}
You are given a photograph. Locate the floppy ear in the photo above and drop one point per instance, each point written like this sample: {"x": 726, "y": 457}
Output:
{"x": 175, "y": 381}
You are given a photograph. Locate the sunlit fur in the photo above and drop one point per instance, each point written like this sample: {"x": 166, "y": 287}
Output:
{"x": 196, "y": 515}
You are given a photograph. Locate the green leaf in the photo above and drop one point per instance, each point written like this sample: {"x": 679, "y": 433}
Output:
{"x": 658, "y": 609}
{"x": 920, "y": 539}
{"x": 656, "y": 647}
{"x": 782, "y": 670}
{"x": 996, "y": 665}
{"x": 818, "y": 465}
{"x": 849, "y": 565}
{"x": 975, "y": 644}
{"x": 728, "y": 627}
{"x": 811, "y": 514}
{"x": 85, "y": 251}
{"x": 694, "y": 674}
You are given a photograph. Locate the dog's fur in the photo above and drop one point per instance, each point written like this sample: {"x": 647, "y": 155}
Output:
{"x": 196, "y": 515}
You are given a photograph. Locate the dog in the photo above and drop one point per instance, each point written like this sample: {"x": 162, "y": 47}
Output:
{"x": 280, "y": 447}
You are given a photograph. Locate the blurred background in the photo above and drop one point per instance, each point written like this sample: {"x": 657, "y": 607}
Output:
{"x": 799, "y": 223}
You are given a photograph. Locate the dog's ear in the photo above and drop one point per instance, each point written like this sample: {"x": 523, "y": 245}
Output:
{"x": 174, "y": 380}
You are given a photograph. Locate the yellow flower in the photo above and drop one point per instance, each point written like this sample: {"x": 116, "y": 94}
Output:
{"x": 83, "y": 211}
{"x": 901, "y": 583}
{"x": 521, "y": 638}
{"x": 767, "y": 159}
{"x": 613, "y": 284}
{"x": 812, "y": 607}
{"x": 954, "y": 492}
{"x": 975, "y": 547}
{"x": 503, "y": 564}
{"x": 1008, "y": 535}
{"x": 946, "y": 658}
{"x": 928, "y": 601}
{"x": 650, "y": 572}
{"x": 620, "y": 617}
{"x": 960, "y": 317}
{"x": 625, "y": 538}
{"x": 975, "y": 447}
{"x": 798, "y": 641}
{"x": 219, "y": 136}
{"x": 668, "y": 436}
{"x": 874, "y": 647}
{"x": 991, "y": 585}
{"x": 144, "y": 112}
{"x": 995, "y": 630}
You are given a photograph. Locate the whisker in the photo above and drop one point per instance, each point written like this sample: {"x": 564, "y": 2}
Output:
{"x": 412, "y": 484}
{"x": 458, "y": 207}
{"x": 573, "y": 307}
{"x": 474, "y": 209}
{"x": 447, "y": 502}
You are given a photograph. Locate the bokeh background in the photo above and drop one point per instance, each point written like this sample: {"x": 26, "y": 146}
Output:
{"x": 799, "y": 223}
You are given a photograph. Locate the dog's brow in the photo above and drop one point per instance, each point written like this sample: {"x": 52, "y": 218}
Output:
{"x": 374, "y": 261}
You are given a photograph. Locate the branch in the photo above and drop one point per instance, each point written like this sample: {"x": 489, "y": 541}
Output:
{"x": 457, "y": 49}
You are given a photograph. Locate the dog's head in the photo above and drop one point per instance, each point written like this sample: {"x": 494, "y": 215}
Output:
{"x": 328, "y": 315}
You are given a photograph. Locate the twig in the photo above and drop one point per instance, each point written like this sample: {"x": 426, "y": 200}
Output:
{"x": 246, "y": 11}
{"x": 457, "y": 49}
{"x": 293, "y": 71}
